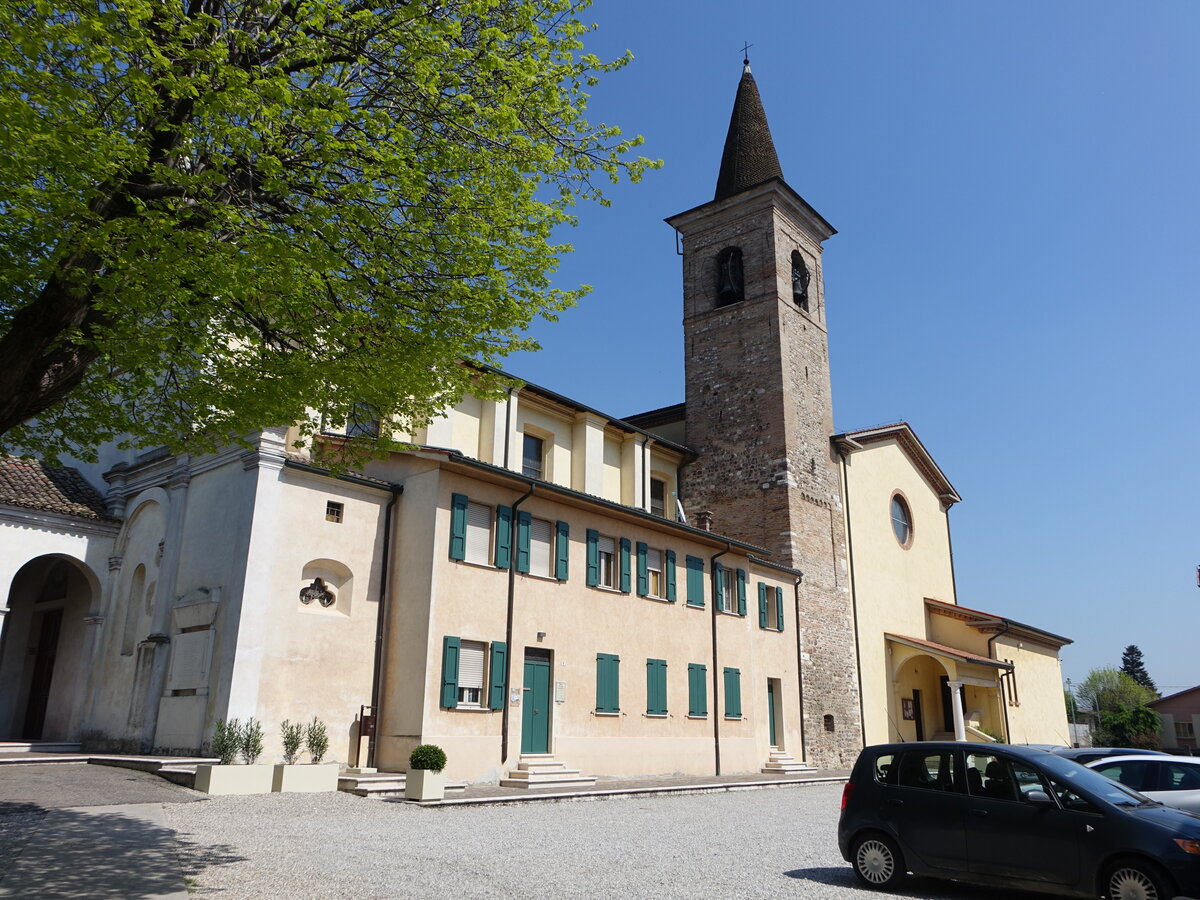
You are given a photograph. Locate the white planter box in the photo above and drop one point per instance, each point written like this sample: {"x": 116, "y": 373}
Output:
{"x": 234, "y": 779}
{"x": 305, "y": 779}
{"x": 421, "y": 784}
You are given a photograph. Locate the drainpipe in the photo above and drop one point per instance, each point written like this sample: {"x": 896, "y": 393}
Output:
{"x": 862, "y": 716}
{"x": 800, "y": 665}
{"x": 507, "y": 427}
{"x": 508, "y": 628}
{"x": 716, "y": 707}
{"x": 381, "y": 618}
{"x": 992, "y": 655}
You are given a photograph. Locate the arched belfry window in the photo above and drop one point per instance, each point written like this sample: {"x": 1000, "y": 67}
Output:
{"x": 731, "y": 286}
{"x": 800, "y": 279}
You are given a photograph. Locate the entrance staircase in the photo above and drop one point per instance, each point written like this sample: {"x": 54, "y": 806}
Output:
{"x": 378, "y": 785}
{"x": 542, "y": 770}
{"x": 782, "y": 763}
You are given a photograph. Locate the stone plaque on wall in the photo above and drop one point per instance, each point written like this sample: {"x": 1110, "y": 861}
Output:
{"x": 191, "y": 654}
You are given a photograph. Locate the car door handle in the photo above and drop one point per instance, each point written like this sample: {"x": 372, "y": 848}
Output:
{"x": 982, "y": 813}
{"x": 895, "y": 802}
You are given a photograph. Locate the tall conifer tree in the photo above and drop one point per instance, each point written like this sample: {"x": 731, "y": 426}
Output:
{"x": 1133, "y": 666}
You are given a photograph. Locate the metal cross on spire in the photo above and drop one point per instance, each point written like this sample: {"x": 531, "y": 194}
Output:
{"x": 746, "y": 54}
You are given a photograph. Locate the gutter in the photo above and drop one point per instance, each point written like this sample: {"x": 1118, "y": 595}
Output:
{"x": 508, "y": 627}
{"x": 800, "y": 664}
{"x": 716, "y": 706}
{"x": 844, "y": 446}
{"x": 992, "y": 655}
{"x": 381, "y": 619}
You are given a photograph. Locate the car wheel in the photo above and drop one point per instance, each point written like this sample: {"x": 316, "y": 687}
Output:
{"x": 877, "y": 861}
{"x": 1134, "y": 879}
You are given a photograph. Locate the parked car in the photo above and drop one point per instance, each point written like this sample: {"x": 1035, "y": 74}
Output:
{"x": 1000, "y": 815}
{"x": 1085, "y": 755}
{"x": 1172, "y": 780}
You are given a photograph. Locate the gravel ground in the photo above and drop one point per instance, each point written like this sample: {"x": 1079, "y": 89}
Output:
{"x": 761, "y": 843}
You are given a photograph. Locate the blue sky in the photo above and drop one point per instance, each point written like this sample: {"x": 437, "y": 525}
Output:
{"x": 1017, "y": 196}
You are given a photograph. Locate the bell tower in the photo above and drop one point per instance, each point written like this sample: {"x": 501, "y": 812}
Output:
{"x": 759, "y": 411}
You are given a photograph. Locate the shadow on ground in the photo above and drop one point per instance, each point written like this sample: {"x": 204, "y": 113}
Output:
{"x": 843, "y": 876}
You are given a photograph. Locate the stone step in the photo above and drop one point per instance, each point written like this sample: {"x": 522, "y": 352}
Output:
{"x": 542, "y": 770}
{"x": 783, "y": 763}
{"x": 38, "y": 747}
{"x": 549, "y": 781}
{"x": 378, "y": 785}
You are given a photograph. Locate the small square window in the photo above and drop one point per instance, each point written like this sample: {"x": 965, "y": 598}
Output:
{"x": 333, "y": 511}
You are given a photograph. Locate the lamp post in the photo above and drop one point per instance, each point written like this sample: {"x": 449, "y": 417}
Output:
{"x": 1071, "y": 694}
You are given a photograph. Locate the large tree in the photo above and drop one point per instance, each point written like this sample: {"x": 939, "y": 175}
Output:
{"x": 1133, "y": 666}
{"x": 1119, "y": 705}
{"x": 218, "y": 215}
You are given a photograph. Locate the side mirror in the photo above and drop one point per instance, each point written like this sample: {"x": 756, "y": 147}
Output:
{"x": 1038, "y": 798}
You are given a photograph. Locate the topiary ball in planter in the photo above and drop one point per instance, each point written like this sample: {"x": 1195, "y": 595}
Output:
{"x": 429, "y": 757}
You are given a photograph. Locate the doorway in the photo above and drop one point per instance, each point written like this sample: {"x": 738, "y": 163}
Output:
{"x": 535, "y": 704}
{"x": 774, "y": 714}
{"x": 918, "y": 719}
{"x": 47, "y": 631}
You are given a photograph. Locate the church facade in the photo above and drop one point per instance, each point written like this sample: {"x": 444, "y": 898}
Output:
{"x": 688, "y": 590}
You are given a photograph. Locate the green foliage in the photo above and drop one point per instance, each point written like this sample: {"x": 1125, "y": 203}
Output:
{"x": 293, "y": 737}
{"x": 227, "y": 741}
{"x": 316, "y": 739}
{"x": 1108, "y": 688}
{"x": 1132, "y": 726}
{"x": 427, "y": 756}
{"x": 222, "y": 216}
{"x": 1119, "y": 702}
{"x": 1133, "y": 666}
{"x": 252, "y": 740}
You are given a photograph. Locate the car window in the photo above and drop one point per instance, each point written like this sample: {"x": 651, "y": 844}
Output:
{"x": 1092, "y": 782}
{"x": 933, "y": 771}
{"x": 1000, "y": 778}
{"x": 1071, "y": 800}
{"x": 884, "y": 767}
{"x": 1180, "y": 777}
{"x": 1133, "y": 774}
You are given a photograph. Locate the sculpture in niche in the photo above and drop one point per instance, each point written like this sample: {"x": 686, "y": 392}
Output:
{"x": 317, "y": 591}
{"x": 800, "y": 279}
{"x": 730, "y": 282}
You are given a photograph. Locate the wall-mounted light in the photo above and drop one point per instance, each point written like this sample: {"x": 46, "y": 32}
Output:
{"x": 541, "y": 636}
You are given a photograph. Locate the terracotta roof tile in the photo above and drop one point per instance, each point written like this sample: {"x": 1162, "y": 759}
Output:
{"x": 31, "y": 484}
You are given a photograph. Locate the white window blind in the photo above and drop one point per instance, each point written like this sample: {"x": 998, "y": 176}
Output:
{"x": 654, "y": 572}
{"x": 479, "y": 533}
{"x": 470, "y": 672}
{"x": 540, "y": 532}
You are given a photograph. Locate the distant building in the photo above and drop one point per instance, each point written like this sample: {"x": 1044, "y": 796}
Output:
{"x": 1180, "y": 716}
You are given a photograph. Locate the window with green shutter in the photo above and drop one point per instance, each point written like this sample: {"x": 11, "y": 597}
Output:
{"x": 450, "y": 649}
{"x": 503, "y": 556}
{"x": 458, "y": 526}
{"x": 697, "y": 689}
{"x": 779, "y": 608}
{"x": 562, "y": 548}
{"x": 497, "y": 675}
{"x": 643, "y": 572}
{"x": 625, "y": 552}
{"x": 524, "y": 525}
{"x": 656, "y": 687}
{"x": 695, "y": 581}
{"x": 608, "y": 683}
{"x": 762, "y": 605}
{"x": 733, "y": 693}
{"x": 741, "y": 592}
{"x": 593, "y": 557}
{"x": 669, "y": 576}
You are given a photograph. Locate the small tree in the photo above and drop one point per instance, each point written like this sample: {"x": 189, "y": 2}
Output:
{"x": 1133, "y": 726}
{"x": 429, "y": 757}
{"x": 227, "y": 741}
{"x": 1108, "y": 693}
{"x": 1133, "y": 666}
{"x": 316, "y": 740}
{"x": 252, "y": 740}
{"x": 293, "y": 737}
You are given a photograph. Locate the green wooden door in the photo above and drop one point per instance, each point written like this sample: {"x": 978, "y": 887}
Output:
{"x": 771, "y": 711}
{"x": 535, "y": 705}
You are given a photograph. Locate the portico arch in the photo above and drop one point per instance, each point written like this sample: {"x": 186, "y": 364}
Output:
{"x": 44, "y": 648}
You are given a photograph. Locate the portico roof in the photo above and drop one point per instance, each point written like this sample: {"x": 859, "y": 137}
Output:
{"x": 950, "y": 652}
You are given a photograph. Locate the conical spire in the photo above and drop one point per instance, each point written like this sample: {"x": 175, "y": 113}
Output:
{"x": 749, "y": 156}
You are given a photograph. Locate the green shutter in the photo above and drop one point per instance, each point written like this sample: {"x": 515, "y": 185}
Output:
{"x": 625, "y": 548}
{"x": 741, "y": 591}
{"x": 733, "y": 693}
{"x": 779, "y": 607}
{"x": 643, "y": 574}
{"x": 524, "y": 521}
{"x": 718, "y": 595}
{"x": 458, "y": 526}
{"x": 450, "y": 649}
{"x": 669, "y": 574}
{"x": 497, "y": 675}
{"x": 562, "y": 549}
{"x": 593, "y": 558}
{"x": 695, "y": 581}
{"x": 503, "y": 555}
{"x": 656, "y": 687}
{"x": 608, "y": 683}
{"x": 697, "y": 689}
{"x": 762, "y": 605}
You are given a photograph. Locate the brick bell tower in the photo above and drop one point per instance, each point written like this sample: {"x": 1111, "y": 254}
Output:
{"x": 759, "y": 411}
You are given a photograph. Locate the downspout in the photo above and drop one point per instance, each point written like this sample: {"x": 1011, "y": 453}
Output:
{"x": 381, "y": 618}
{"x": 716, "y": 706}
{"x": 800, "y": 665}
{"x": 507, "y": 427}
{"x": 992, "y": 655}
{"x": 508, "y": 627}
{"x": 862, "y": 715}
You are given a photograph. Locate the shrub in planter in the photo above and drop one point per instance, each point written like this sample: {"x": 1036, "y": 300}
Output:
{"x": 316, "y": 740}
{"x": 252, "y": 740}
{"x": 429, "y": 757}
{"x": 425, "y": 780}
{"x": 293, "y": 737}
{"x": 227, "y": 741}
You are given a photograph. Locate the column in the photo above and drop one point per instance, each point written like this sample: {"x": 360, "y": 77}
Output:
{"x": 960, "y": 727}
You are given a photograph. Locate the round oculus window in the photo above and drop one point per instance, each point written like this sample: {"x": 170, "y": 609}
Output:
{"x": 901, "y": 520}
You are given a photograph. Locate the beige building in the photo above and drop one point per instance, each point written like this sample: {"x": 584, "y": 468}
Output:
{"x": 536, "y": 582}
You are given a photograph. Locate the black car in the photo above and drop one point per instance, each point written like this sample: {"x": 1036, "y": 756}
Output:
{"x": 996, "y": 814}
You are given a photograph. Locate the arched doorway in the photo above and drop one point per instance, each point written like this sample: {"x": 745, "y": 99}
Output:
{"x": 922, "y": 710}
{"x": 42, "y": 650}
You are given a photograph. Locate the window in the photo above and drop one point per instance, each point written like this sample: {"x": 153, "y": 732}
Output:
{"x": 650, "y": 580}
{"x": 697, "y": 690}
{"x": 770, "y": 607}
{"x": 540, "y": 540}
{"x": 363, "y": 422}
{"x": 479, "y": 533}
{"x": 1071, "y": 800}
{"x": 469, "y": 668}
{"x": 608, "y": 683}
{"x": 730, "y": 283}
{"x": 604, "y": 565}
{"x": 654, "y": 579}
{"x": 800, "y": 279}
{"x": 333, "y": 512}
{"x": 729, "y": 589}
{"x": 931, "y": 771}
{"x": 1185, "y": 730}
{"x": 471, "y": 532}
{"x": 608, "y": 561}
{"x": 695, "y": 581}
{"x": 656, "y": 687}
{"x": 901, "y": 520}
{"x": 532, "y": 456}
{"x": 658, "y": 497}
{"x": 1000, "y": 778}
{"x": 733, "y": 693}
{"x": 1179, "y": 777}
